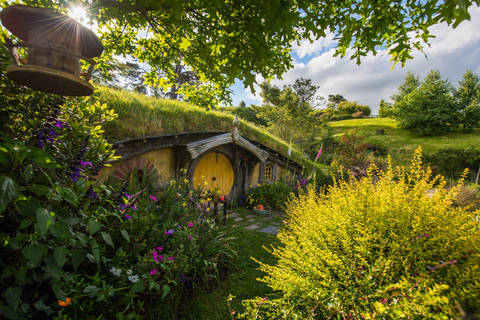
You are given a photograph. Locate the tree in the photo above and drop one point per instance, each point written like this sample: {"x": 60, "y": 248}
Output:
{"x": 242, "y": 104}
{"x": 336, "y": 98}
{"x": 467, "y": 98}
{"x": 306, "y": 92}
{"x": 430, "y": 109}
{"x": 386, "y": 110}
{"x": 247, "y": 38}
{"x": 277, "y": 109}
{"x": 351, "y": 107}
{"x": 284, "y": 111}
{"x": 410, "y": 83}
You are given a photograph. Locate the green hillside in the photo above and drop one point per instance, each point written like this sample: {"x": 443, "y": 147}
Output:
{"x": 401, "y": 144}
{"x": 143, "y": 116}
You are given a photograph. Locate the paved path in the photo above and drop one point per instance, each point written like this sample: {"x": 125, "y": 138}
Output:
{"x": 255, "y": 222}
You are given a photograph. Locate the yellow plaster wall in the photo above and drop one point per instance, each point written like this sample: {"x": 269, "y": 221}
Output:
{"x": 255, "y": 174}
{"x": 164, "y": 162}
{"x": 162, "y": 159}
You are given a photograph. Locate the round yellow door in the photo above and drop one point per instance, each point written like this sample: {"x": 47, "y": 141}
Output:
{"x": 217, "y": 171}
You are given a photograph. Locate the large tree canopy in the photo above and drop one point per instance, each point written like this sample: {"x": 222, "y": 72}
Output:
{"x": 223, "y": 40}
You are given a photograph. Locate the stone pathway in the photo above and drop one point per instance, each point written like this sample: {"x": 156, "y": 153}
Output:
{"x": 252, "y": 225}
{"x": 270, "y": 229}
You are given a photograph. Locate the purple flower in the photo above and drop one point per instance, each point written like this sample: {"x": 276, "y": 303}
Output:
{"x": 156, "y": 256}
{"x": 128, "y": 196}
{"x": 126, "y": 217}
{"x": 179, "y": 226}
{"x": 190, "y": 237}
{"x": 154, "y": 271}
{"x": 190, "y": 224}
{"x": 85, "y": 163}
{"x": 91, "y": 194}
{"x": 169, "y": 231}
{"x": 153, "y": 198}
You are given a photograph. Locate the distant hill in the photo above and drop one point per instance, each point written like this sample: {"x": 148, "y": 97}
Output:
{"x": 401, "y": 144}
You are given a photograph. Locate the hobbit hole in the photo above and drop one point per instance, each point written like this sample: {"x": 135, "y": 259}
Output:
{"x": 212, "y": 159}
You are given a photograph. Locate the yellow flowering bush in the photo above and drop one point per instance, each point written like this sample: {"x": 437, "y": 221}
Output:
{"x": 382, "y": 247}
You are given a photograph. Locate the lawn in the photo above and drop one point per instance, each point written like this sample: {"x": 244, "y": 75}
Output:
{"x": 242, "y": 273}
{"x": 401, "y": 144}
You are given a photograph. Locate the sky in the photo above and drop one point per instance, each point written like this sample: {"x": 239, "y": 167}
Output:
{"x": 452, "y": 52}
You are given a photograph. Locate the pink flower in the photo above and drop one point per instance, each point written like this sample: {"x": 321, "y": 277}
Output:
{"x": 160, "y": 257}
{"x": 159, "y": 248}
{"x": 190, "y": 224}
{"x": 154, "y": 271}
{"x": 153, "y": 198}
{"x": 190, "y": 237}
{"x": 170, "y": 258}
{"x": 155, "y": 255}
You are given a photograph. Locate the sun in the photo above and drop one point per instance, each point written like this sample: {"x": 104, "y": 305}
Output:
{"x": 78, "y": 13}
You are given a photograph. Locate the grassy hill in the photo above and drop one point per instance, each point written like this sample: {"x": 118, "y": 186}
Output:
{"x": 401, "y": 144}
{"x": 142, "y": 116}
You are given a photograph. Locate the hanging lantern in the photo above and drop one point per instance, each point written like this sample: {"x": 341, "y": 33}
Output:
{"x": 55, "y": 43}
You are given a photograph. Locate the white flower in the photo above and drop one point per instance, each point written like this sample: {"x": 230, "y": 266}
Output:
{"x": 115, "y": 271}
{"x": 129, "y": 271}
{"x": 133, "y": 278}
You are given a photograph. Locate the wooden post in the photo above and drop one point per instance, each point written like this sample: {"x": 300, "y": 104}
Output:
{"x": 478, "y": 175}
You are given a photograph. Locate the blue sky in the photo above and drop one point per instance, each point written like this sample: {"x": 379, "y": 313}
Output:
{"x": 452, "y": 52}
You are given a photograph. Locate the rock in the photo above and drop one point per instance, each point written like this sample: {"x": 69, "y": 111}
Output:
{"x": 238, "y": 219}
{"x": 270, "y": 229}
{"x": 233, "y": 214}
{"x": 252, "y": 227}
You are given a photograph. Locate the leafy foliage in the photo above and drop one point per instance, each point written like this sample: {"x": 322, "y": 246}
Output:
{"x": 378, "y": 248}
{"x": 243, "y": 39}
{"x": 386, "y": 110}
{"x": 284, "y": 109}
{"x": 354, "y": 157}
{"x": 429, "y": 109}
{"x": 351, "y": 107}
{"x": 467, "y": 98}
{"x": 454, "y": 161}
{"x": 76, "y": 248}
{"x": 274, "y": 195}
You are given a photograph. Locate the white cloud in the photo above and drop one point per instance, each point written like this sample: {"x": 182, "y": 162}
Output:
{"x": 307, "y": 48}
{"x": 452, "y": 52}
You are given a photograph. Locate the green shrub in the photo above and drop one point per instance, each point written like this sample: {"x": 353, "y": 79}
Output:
{"x": 453, "y": 161}
{"x": 375, "y": 248}
{"x": 274, "y": 195}
{"x": 353, "y": 157}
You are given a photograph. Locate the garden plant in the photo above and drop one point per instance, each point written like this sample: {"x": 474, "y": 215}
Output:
{"x": 379, "y": 247}
{"x": 71, "y": 247}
